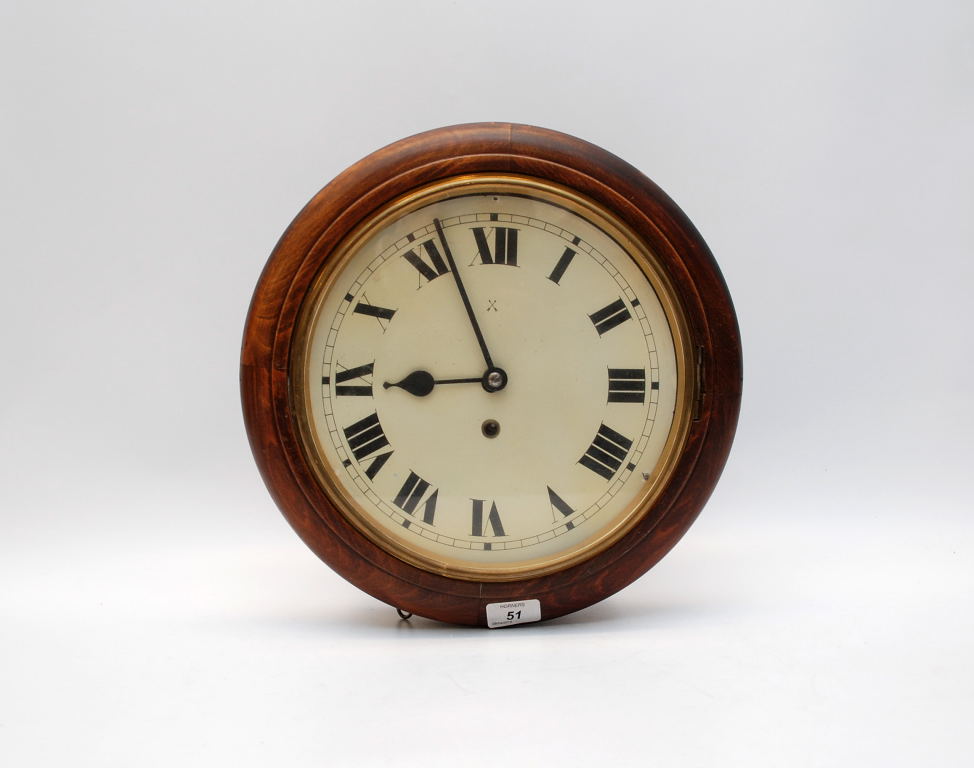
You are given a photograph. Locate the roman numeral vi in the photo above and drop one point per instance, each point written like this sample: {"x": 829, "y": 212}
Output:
{"x": 478, "y": 527}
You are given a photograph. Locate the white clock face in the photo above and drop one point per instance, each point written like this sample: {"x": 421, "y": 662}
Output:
{"x": 493, "y": 379}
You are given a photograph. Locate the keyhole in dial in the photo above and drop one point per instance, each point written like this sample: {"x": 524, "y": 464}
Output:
{"x": 490, "y": 428}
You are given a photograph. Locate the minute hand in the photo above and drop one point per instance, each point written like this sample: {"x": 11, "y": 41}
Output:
{"x": 463, "y": 294}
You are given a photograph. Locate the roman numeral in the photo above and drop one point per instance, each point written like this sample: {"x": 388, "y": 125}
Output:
{"x": 606, "y": 453}
{"x": 477, "y": 525}
{"x": 365, "y": 437}
{"x": 382, "y": 315}
{"x": 436, "y": 265}
{"x": 560, "y": 505}
{"x": 561, "y": 266}
{"x": 627, "y": 385}
{"x": 505, "y": 246}
{"x": 373, "y": 311}
{"x": 411, "y": 494}
{"x": 348, "y": 374}
{"x": 376, "y": 464}
{"x": 610, "y": 316}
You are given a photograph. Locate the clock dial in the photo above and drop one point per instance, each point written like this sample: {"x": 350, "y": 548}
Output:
{"x": 493, "y": 378}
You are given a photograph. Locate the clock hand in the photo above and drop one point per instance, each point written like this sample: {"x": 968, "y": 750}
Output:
{"x": 463, "y": 294}
{"x": 421, "y": 383}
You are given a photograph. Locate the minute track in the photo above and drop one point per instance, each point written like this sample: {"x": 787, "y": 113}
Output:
{"x": 422, "y": 383}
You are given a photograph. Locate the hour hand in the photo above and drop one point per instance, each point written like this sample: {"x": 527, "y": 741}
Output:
{"x": 421, "y": 383}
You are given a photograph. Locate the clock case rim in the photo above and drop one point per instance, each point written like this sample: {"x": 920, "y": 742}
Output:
{"x": 358, "y": 193}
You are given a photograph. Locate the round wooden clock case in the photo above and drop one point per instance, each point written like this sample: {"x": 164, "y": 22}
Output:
{"x": 490, "y": 365}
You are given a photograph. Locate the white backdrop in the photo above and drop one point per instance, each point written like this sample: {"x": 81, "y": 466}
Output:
{"x": 155, "y": 609}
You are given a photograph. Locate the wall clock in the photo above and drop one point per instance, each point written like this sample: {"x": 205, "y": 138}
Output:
{"x": 491, "y": 374}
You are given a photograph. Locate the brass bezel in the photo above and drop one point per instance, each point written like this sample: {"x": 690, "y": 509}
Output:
{"x": 300, "y": 401}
